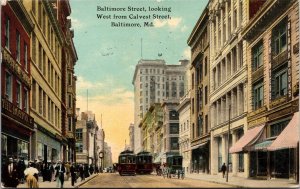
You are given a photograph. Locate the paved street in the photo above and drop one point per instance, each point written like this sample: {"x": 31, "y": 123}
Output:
{"x": 114, "y": 180}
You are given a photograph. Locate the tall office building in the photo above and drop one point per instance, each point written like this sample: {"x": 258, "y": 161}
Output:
{"x": 154, "y": 81}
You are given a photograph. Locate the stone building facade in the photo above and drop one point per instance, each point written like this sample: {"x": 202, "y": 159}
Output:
{"x": 272, "y": 36}
{"x": 200, "y": 90}
{"x": 68, "y": 86}
{"x": 184, "y": 112}
{"x": 48, "y": 141}
{"x": 17, "y": 125}
{"x": 228, "y": 83}
{"x": 131, "y": 136}
{"x": 153, "y": 82}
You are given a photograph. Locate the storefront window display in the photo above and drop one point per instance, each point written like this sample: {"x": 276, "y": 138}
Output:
{"x": 40, "y": 151}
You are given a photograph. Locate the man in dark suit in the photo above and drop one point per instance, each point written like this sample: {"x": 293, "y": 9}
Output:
{"x": 60, "y": 171}
{"x": 73, "y": 172}
{"x": 81, "y": 171}
{"x": 10, "y": 174}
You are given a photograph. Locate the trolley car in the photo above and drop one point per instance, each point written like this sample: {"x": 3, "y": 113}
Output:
{"x": 127, "y": 164}
{"x": 144, "y": 163}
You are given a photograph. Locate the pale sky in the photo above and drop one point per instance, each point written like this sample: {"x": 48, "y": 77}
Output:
{"x": 107, "y": 56}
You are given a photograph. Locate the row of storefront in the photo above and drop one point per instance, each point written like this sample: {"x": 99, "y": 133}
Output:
{"x": 273, "y": 148}
{"x": 21, "y": 138}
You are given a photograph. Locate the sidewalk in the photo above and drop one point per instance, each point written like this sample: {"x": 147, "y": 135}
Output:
{"x": 245, "y": 182}
{"x": 67, "y": 184}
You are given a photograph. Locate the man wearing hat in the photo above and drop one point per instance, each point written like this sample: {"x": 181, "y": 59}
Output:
{"x": 10, "y": 175}
{"x": 60, "y": 171}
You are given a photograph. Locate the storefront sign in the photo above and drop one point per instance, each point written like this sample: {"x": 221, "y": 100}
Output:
{"x": 289, "y": 62}
{"x": 257, "y": 122}
{"x": 281, "y": 113}
{"x": 16, "y": 113}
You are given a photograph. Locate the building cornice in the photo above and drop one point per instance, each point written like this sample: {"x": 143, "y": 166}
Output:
{"x": 269, "y": 11}
{"x": 22, "y": 15}
{"x": 54, "y": 22}
{"x": 197, "y": 30}
{"x": 145, "y": 62}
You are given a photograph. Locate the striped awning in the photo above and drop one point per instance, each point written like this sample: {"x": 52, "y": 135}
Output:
{"x": 263, "y": 145}
{"x": 249, "y": 137}
{"x": 289, "y": 137}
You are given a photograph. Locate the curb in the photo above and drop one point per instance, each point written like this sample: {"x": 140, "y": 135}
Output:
{"x": 87, "y": 180}
{"x": 217, "y": 182}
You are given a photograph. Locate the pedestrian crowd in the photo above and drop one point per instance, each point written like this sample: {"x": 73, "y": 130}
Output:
{"x": 15, "y": 172}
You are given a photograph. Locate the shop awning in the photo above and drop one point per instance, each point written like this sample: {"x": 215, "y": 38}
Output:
{"x": 250, "y": 136}
{"x": 289, "y": 137}
{"x": 199, "y": 145}
{"x": 263, "y": 145}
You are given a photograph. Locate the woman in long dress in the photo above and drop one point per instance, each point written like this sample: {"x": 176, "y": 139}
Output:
{"x": 31, "y": 175}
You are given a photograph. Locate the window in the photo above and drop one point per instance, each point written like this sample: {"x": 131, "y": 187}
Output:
{"x": 49, "y": 70}
{"x": 40, "y": 100}
{"x": 70, "y": 79}
{"x": 240, "y": 133}
{"x": 18, "y": 47}
{"x": 192, "y": 105}
{"x": 280, "y": 82}
{"x": 258, "y": 95}
{"x": 33, "y": 94}
{"x": 276, "y": 128}
{"x": 7, "y": 33}
{"x": 3, "y": 144}
{"x": 79, "y": 147}
{"x": 25, "y": 100}
{"x": 181, "y": 92}
{"x": 25, "y": 58}
{"x": 174, "y": 143}
{"x": 187, "y": 124}
{"x": 40, "y": 150}
{"x": 22, "y": 149}
{"x": 70, "y": 101}
{"x": 49, "y": 109}
{"x": 206, "y": 123}
{"x": 44, "y": 104}
{"x": 280, "y": 38}
{"x": 220, "y": 152}
{"x": 257, "y": 55}
{"x": 174, "y": 89}
{"x": 69, "y": 123}
{"x": 200, "y": 125}
{"x": 173, "y": 115}
{"x": 193, "y": 81}
{"x": 18, "y": 95}
{"x": 205, "y": 92}
{"x": 174, "y": 128}
{"x": 8, "y": 86}
{"x": 205, "y": 65}
{"x": 78, "y": 134}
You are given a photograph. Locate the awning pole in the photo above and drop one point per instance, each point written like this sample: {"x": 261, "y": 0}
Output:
{"x": 289, "y": 161}
{"x": 275, "y": 164}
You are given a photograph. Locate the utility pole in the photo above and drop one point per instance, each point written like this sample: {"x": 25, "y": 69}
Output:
{"x": 228, "y": 136}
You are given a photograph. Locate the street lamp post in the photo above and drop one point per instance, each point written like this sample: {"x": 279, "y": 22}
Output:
{"x": 228, "y": 136}
{"x": 101, "y": 158}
